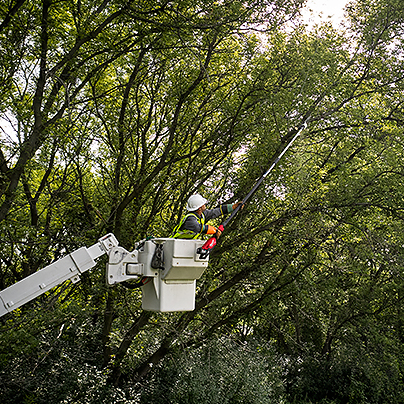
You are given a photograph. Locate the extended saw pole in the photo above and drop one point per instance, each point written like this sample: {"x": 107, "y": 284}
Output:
{"x": 205, "y": 250}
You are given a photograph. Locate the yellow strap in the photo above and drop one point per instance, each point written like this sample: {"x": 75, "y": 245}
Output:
{"x": 200, "y": 220}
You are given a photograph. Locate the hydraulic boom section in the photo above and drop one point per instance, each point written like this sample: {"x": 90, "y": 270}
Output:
{"x": 69, "y": 267}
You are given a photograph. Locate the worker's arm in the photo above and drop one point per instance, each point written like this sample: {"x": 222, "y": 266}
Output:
{"x": 193, "y": 225}
{"x": 219, "y": 211}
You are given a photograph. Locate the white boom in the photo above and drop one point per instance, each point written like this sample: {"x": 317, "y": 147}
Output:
{"x": 170, "y": 287}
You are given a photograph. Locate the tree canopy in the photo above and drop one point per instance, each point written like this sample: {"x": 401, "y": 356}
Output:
{"x": 113, "y": 113}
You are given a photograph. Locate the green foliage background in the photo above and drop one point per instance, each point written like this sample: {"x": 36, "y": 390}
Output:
{"x": 113, "y": 113}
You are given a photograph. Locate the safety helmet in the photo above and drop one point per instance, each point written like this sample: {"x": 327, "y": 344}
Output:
{"x": 195, "y": 202}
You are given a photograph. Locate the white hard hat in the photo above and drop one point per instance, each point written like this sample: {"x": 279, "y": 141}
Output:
{"x": 195, "y": 202}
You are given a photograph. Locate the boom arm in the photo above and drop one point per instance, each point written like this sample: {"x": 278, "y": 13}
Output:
{"x": 168, "y": 287}
{"x": 69, "y": 267}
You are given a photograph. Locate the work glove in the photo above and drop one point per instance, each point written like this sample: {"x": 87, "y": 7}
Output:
{"x": 236, "y": 205}
{"x": 219, "y": 232}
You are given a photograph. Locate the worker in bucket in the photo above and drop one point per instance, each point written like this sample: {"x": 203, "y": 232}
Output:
{"x": 193, "y": 224}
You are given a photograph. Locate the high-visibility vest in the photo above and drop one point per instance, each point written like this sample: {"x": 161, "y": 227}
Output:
{"x": 177, "y": 233}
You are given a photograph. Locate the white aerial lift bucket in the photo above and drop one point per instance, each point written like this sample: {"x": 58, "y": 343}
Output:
{"x": 173, "y": 289}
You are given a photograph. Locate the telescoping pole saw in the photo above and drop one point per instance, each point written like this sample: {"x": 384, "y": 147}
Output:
{"x": 205, "y": 250}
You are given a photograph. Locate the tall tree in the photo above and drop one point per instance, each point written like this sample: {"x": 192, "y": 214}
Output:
{"x": 141, "y": 105}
